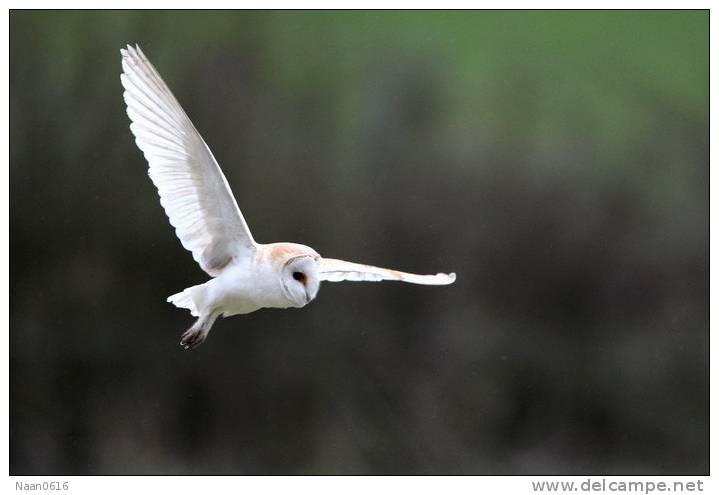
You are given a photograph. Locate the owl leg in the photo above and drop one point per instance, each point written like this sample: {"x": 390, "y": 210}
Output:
{"x": 197, "y": 333}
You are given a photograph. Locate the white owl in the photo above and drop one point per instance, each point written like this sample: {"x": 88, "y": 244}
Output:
{"x": 246, "y": 276}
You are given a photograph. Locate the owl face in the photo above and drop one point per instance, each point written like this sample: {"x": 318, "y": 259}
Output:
{"x": 300, "y": 280}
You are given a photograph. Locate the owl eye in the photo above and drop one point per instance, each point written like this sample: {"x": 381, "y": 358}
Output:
{"x": 299, "y": 276}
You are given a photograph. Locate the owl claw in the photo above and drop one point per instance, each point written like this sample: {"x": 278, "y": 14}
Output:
{"x": 192, "y": 338}
{"x": 197, "y": 333}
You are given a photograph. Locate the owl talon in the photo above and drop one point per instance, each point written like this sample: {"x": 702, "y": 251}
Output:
{"x": 192, "y": 338}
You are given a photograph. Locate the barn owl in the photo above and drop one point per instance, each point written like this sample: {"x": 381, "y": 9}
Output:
{"x": 197, "y": 199}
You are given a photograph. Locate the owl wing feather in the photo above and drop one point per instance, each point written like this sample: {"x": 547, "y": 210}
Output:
{"x": 193, "y": 191}
{"x": 332, "y": 270}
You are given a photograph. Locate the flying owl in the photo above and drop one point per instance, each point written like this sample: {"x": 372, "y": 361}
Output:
{"x": 246, "y": 275}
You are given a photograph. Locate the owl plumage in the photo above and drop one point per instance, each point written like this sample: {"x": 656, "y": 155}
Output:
{"x": 246, "y": 275}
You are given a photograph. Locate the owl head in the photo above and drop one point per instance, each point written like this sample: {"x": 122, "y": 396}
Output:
{"x": 299, "y": 272}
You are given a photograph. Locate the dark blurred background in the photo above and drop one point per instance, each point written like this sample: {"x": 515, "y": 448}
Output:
{"x": 557, "y": 161}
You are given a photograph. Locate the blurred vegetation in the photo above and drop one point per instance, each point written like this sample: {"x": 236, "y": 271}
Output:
{"x": 558, "y": 161}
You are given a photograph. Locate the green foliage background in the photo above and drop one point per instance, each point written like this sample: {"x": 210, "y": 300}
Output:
{"x": 558, "y": 161}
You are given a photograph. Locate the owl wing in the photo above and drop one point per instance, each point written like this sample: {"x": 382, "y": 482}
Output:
{"x": 331, "y": 270}
{"x": 193, "y": 190}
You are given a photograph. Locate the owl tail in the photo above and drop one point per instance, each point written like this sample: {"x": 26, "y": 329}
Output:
{"x": 188, "y": 298}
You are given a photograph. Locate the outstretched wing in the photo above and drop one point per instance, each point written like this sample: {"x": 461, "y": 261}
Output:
{"x": 337, "y": 271}
{"x": 193, "y": 190}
